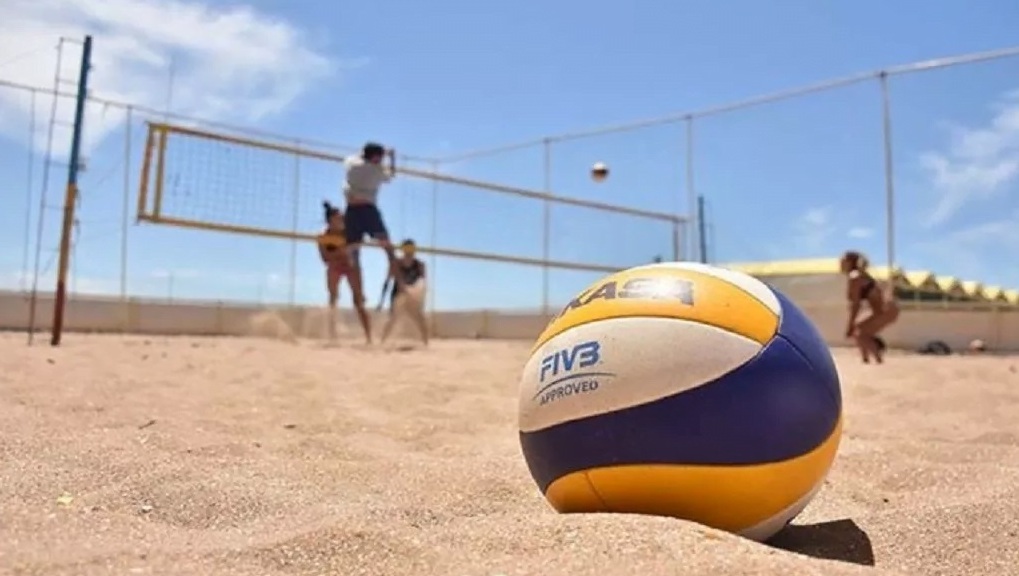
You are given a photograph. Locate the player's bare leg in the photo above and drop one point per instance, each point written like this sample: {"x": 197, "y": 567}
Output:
{"x": 394, "y": 270}
{"x": 357, "y": 288}
{"x": 417, "y": 315}
{"x": 387, "y": 329}
{"x": 333, "y": 284}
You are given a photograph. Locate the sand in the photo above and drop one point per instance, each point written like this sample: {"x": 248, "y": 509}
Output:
{"x": 155, "y": 455}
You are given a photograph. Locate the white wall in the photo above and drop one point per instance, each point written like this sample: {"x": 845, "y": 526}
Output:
{"x": 919, "y": 323}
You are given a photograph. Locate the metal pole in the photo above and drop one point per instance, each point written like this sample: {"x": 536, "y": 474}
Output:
{"x": 403, "y": 203}
{"x": 546, "y": 235}
{"x": 34, "y": 300}
{"x": 691, "y": 191}
{"x": 886, "y": 113}
{"x": 70, "y": 198}
{"x": 432, "y": 259}
{"x": 23, "y": 280}
{"x": 292, "y": 289}
{"x": 702, "y": 231}
{"x": 677, "y": 232}
{"x": 126, "y": 206}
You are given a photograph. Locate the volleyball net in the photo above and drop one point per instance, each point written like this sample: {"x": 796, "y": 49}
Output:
{"x": 217, "y": 181}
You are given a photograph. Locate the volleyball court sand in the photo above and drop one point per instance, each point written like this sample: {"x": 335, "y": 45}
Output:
{"x": 135, "y": 455}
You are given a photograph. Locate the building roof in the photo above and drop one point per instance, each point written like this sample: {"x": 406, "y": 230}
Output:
{"x": 804, "y": 267}
{"x": 924, "y": 280}
{"x": 973, "y": 288}
{"x": 994, "y": 293}
{"x": 949, "y": 284}
{"x": 1011, "y": 296}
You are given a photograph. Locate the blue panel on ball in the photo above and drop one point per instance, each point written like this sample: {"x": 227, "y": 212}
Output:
{"x": 773, "y": 408}
{"x": 804, "y": 336}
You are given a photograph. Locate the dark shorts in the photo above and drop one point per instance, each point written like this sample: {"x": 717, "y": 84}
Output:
{"x": 363, "y": 220}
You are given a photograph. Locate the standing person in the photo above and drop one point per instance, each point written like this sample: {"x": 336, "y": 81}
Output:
{"x": 861, "y": 287}
{"x": 409, "y": 293}
{"x": 332, "y": 244}
{"x": 365, "y": 175}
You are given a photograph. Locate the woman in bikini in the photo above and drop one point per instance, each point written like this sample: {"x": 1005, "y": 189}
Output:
{"x": 861, "y": 287}
{"x": 409, "y": 294}
{"x": 332, "y": 244}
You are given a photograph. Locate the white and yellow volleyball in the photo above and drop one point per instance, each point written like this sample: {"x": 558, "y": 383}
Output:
{"x": 683, "y": 390}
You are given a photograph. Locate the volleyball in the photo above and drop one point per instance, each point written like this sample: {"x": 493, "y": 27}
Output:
{"x": 682, "y": 390}
{"x": 599, "y": 172}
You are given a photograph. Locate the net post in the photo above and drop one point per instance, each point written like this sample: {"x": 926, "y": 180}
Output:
{"x": 677, "y": 232}
{"x": 691, "y": 191}
{"x": 432, "y": 257}
{"x": 126, "y": 204}
{"x": 29, "y": 183}
{"x": 146, "y": 173}
{"x": 71, "y": 194}
{"x": 886, "y": 129}
{"x": 292, "y": 288}
{"x": 546, "y": 215}
{"x": 702, "y": 231}
{"x": 157, "y": 201}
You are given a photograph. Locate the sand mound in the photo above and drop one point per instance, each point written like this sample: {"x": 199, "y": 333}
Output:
{"x": 270, "y": 324}
{"x": 122, "y": 455}
{"x": 292, "y": 325}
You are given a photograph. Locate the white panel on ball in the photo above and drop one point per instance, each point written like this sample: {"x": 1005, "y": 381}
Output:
{"x": 637, "y": 360}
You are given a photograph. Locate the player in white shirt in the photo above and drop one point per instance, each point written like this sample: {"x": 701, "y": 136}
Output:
{"x": 365, "y": 175}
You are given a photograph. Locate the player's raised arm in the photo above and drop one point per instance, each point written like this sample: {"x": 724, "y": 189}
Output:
{"x": 391, "y": 169}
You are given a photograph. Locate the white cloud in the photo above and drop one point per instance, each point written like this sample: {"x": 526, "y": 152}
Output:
{"x": 807, "y": 236}
{"x": 978, "y": 252}
{"x": 813, "y": 228}
{"x": 977, "y": 164}
{"x": 230, "y": 63}
{"x": 860, "y": 232}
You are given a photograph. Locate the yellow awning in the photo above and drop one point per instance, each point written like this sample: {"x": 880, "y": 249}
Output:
{"x": 973, "y": 289}
{"x": 805, "y": 267}
{"x": 923, "y": 280}
{"x": 994, "y": 293}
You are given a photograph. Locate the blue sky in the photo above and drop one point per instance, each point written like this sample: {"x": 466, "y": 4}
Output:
{"x": 801, "y": 178}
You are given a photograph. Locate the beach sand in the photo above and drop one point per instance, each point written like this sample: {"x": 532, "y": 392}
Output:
{"x": 155, "y": 455}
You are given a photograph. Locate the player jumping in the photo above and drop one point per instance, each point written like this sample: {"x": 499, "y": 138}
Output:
{"x": 365, "y": 174}
{"x": 332, "y": 245}
{"x": 410, "y": 297}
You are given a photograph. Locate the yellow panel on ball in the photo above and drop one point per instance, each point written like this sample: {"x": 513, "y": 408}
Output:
{"x": 686, "y": 292}
{"x": 758, "y": 495}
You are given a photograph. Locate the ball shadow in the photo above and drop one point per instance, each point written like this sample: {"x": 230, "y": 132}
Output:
{"x": 836, "y": 540}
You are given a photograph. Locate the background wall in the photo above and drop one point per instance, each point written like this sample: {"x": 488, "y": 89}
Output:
{"x": 955, "y": 324}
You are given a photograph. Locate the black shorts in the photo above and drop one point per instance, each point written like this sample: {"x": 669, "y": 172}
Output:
{"x": 362, "y": 220}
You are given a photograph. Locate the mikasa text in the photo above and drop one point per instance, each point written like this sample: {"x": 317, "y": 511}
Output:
{"x": 645, "y": 288}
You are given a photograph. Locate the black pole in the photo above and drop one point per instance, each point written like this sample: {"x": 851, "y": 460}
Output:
{"x": 702, "y": 231}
